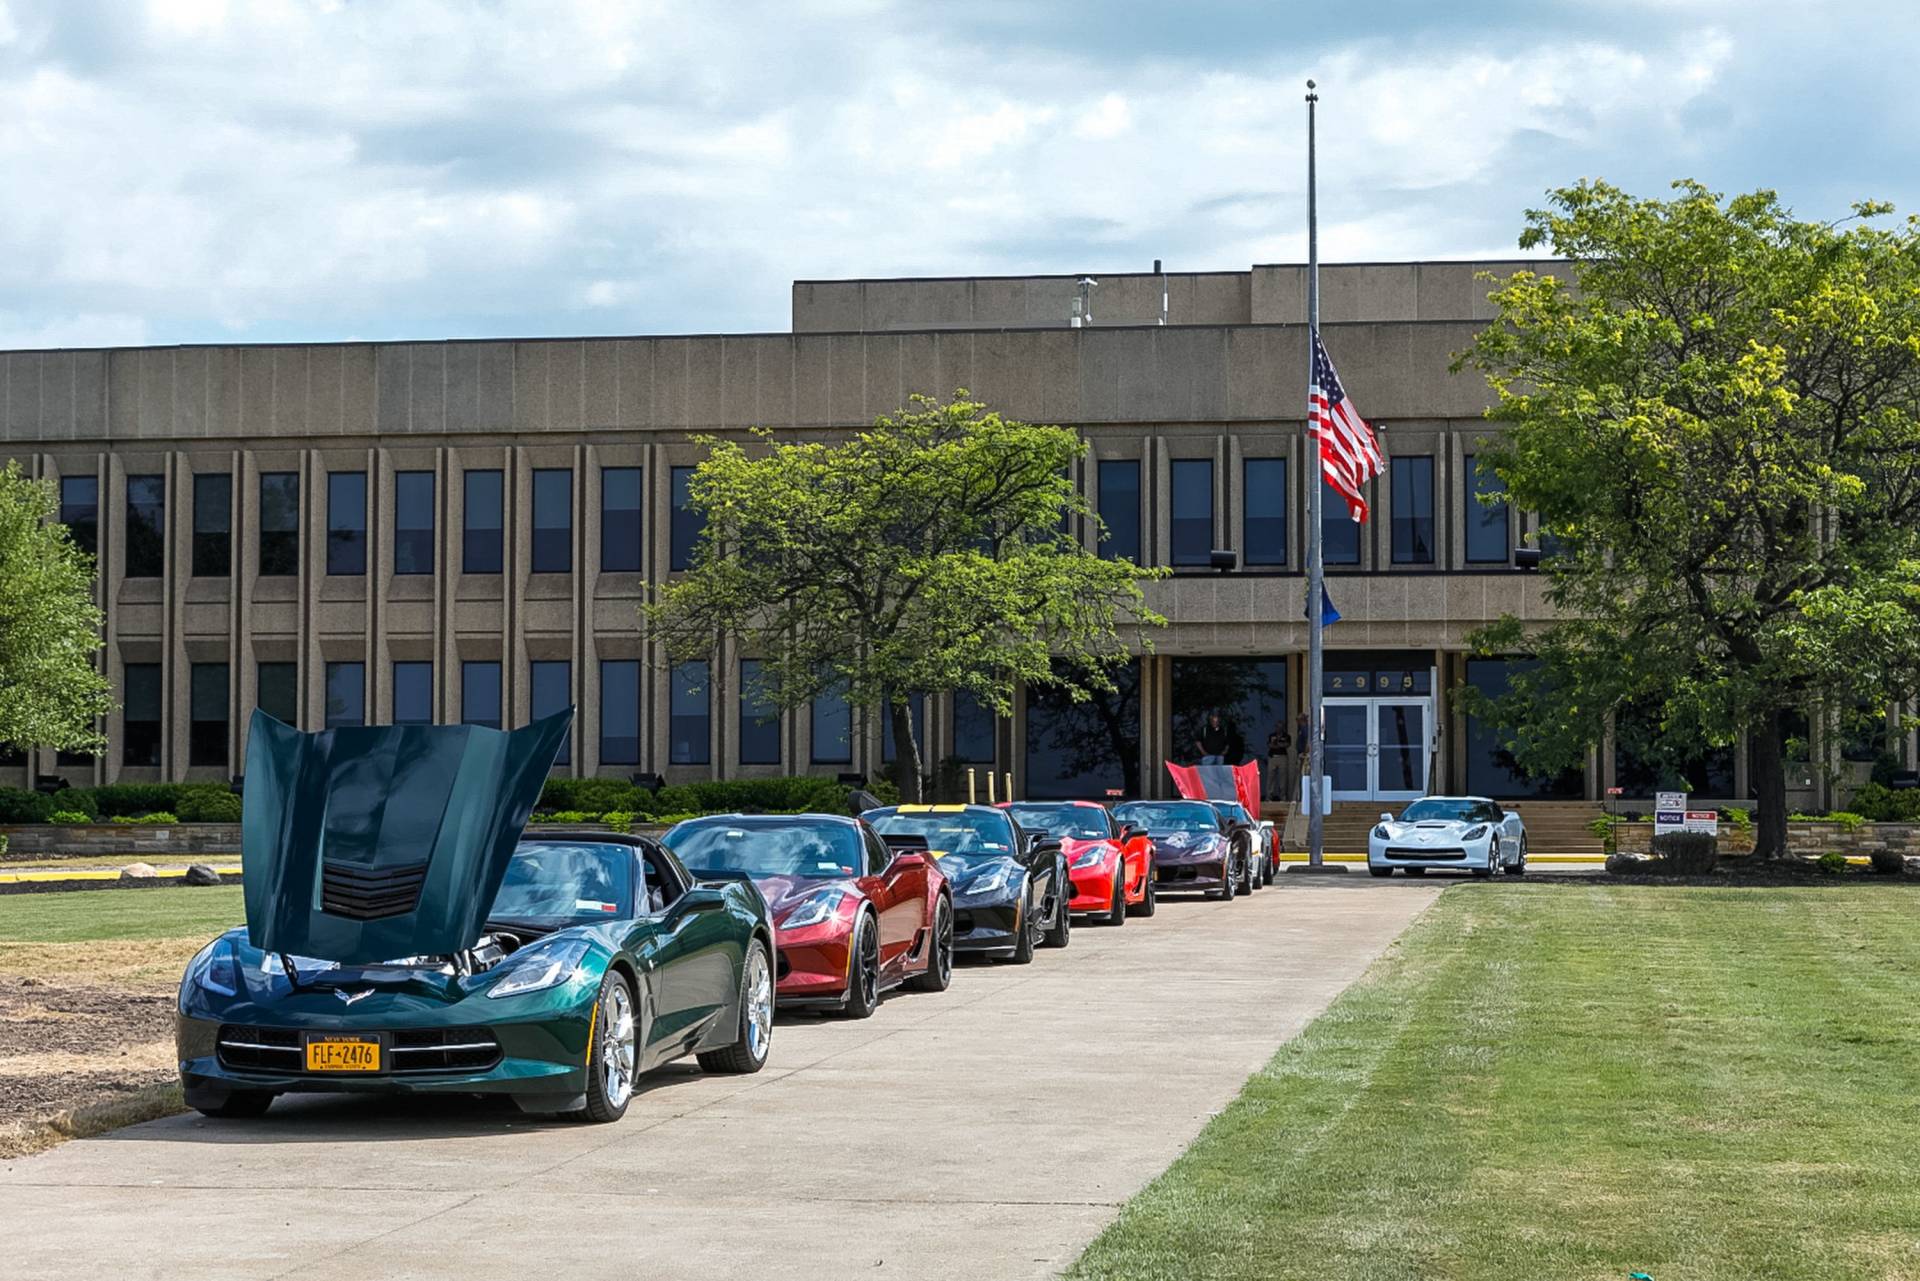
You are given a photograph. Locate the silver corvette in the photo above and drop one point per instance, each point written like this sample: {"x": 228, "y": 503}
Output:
{"x": 1470, "y": 833}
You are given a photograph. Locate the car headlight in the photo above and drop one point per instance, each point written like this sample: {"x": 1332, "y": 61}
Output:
{"x": 537, "y": 968}
{"x": 1087, "y": 858}
{"x": 1474, "y": 833}
{"x": 1382, "y": 832}
{"x": 991, "y": 881}
{"x": 812, "y": 911}
{"x": 216, "y": 967}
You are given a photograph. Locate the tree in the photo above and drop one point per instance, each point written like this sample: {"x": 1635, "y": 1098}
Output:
{"x": 926, "y": 554}
{"x": 1718, "y": 419}
{"x": 50, "y": 629}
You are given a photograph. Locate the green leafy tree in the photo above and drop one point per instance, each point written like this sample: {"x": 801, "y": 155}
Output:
{"x": 1718, "y": 419}
{"x": 928, "y": 553}
{"x": 50, "y": 693}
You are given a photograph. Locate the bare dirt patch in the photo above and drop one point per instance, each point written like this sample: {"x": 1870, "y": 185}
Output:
{"x": 150, "y": 966}
{"x": 70, "y": 1052}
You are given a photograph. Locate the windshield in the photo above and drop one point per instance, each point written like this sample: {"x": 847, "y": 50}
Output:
{"x": 1450, "y": 809}
{"x": 1063, "y": 822}
{"x": 949, "y": 831}
{"x": 561, "y": 885}
{"x": 1169, "y": 816}
{"x": 803, "y": 847}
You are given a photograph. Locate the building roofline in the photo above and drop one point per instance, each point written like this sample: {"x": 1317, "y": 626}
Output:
{"x": 1154, "y": 275}
{"x": 933, "y": 330}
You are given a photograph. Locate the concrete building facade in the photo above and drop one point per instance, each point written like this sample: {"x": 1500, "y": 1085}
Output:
{"x": 464, "y": 530}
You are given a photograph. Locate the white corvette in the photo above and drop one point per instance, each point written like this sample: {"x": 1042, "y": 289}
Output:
{"x": 1467, "y": 832}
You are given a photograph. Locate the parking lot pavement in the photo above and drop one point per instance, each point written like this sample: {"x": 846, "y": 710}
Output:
{"x": 988, "y": 1131}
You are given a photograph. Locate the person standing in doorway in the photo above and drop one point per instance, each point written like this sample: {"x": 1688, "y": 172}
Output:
{"x": 1213, "y": 741}
{"x": 1279, "y": 761}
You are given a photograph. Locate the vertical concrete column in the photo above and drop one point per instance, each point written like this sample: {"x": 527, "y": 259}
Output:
{"x": 379, "y": 508}
{"x": 173, "y": 667}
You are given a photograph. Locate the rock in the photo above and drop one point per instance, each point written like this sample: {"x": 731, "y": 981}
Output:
{"x": 137, "y": 872}
{"x": 201, "y": 874}
{"x": 1628, "y": 864}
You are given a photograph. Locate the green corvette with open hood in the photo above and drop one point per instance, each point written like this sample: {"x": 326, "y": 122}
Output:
{"x": 403, "y": 937}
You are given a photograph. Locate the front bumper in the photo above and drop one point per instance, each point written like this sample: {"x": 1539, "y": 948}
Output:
{"x": 1180, "y": 870}
{"x": 814, "y": 963}
{"x": 1093, "y": 887}
{"x": 1475, "y": 857}
{"x": 990, "y": 926}
{"x": 543, "y": 1064}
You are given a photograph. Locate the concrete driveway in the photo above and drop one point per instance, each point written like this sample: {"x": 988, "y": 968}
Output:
{"x": 990, "y": 1131}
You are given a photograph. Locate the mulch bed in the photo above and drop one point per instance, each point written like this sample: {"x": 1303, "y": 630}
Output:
{"x": 115, "y": 1030}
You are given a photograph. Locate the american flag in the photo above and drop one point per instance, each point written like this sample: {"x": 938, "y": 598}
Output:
{"x": 1349, "y": 455}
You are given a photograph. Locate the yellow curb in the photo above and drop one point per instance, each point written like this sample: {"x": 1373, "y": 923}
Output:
{"x": 87, "y": 874}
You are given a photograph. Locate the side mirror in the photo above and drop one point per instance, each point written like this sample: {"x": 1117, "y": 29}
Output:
{"x": 701, "y": 898}
{"x": 1385, "y": 817}
{"x": 1126, "y": 832}
{"x": 909, "y": 858}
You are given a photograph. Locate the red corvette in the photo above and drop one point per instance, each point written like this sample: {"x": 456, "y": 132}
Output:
{"x": 852, "y": 917}
{"x": 1111, "y": 866}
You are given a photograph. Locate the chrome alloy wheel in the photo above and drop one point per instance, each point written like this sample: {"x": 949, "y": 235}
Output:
{"x": 759, "y": 1004}
{"x": 617, "y": 1048}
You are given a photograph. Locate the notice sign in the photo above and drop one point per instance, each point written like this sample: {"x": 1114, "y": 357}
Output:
{"x": 1669, "y": 812}
{"x": 1707, "y": 821}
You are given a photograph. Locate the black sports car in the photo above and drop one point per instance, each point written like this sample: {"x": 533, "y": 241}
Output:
{"x": 1010, "y": 886}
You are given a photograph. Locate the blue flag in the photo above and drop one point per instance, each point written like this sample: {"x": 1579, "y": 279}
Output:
{"x": 1328, "y": 614}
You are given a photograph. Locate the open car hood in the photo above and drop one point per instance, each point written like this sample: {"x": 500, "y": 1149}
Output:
{"x": 372, "y": 843}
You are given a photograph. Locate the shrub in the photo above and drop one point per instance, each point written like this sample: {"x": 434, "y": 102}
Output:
{"x": 3, "y": 844}
{"x": 593, "y": 795}
{"x": 567, "y": 816}
{"x": 68, "y": 817}
{"x": 1686, "y": 853}
{"x": 1739, "y": 820}
{"x": 208, "y": 803}
{"x": 1846, "y": 820}
{"x": 1878, "y": 803}
{"x": 1833, "y": 862}
{"x": 1602, "y": 829}
{"x": 130, "y": 799}
{"x": 800, "y": 794}
{"x": 1887, "y": 862}
{"x": 160, "y": 817}
{"x": 618, "y": 820}
{"x": 17, "y": 805}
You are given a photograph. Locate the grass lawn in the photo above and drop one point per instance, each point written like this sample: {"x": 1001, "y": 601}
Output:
{"x": 138, "y": 939}
{"x": 1546, "y": 1081}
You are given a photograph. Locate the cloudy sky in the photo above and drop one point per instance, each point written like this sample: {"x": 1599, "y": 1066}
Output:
{"x": 199, "y": 171}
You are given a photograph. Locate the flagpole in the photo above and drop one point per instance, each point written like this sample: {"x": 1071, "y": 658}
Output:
{"x": 1316, "y": 578}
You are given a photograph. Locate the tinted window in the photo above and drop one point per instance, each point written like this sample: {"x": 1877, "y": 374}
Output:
{"x": 279, "y": 524}
{"x": 207, "y": 712}
{"x": 1339, "y": 532}
{"x": 480, "y": 543}
{"x": 1119, "y": 482}
{"x": 973, "y": 728}
{"x": 951, "y": 831}
{"x": 80, "y": 511}
{"x": 550, "y": 690}
{"x": 552, "y": 521}
{"x": 1450, "y": 809}
{"x": 346, "y": 694}
{"x": 687, "y": 523}
{"x": 279, "y": 691}
{"x": 140, "y": 732}
{"x": 480, "y": 694}
{"x": 1250, "y": 694}
{"x": 619, "y": 712}
{"x": 1077, "y": 822}
{"x": 1489, "y": 534}
{"x": 1168, "y": 816}
{"x": 1264, "y": 494}
{"x": 620, "y": 524}
{"x": 1413, "y": 510}
{"x": 551, "y": 883}
{"x": 1084, "y": 750}
{"x": 413, "y": 693}
{"x": 146, "y": 545}
{"x": 806, "y": 848}
{"x": 212, "y": 525}
{"x": 1191, "y": 526}
{"x": 413, "y": 522}
{"x": 1491, "y": 767}
{"x": 690, "y": 728}
{"x": 347, "y": 522}
{"x": 832, "y": 726}
{"x": 759, "y": 717}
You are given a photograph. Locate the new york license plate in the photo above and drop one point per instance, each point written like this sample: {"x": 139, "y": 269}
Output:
{"x": 343, "y": 1054}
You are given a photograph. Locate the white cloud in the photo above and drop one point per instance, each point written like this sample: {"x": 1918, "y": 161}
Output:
{"x": 287, "y": 170}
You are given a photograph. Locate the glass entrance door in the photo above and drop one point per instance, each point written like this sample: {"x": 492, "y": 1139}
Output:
{"x": 1377, "y": 748}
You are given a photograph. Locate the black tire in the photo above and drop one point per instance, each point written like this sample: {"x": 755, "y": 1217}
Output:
{"x": 1061, "y": 930}
{"x": 606, "y": 1100}
{"x": 1117, "y": 912}
{"x": 240, "y": 1105}
{"x": 1269, "y": 867}
{"x": 754, "y": 1041}
{"x": 1229, "y": 882}
{"x": 863, "y": 970}
{"x": 1252, "y": 881}
{"x": 1145, "y": 907}
{"x": 939, "y": 972}
{"x": 1380, "y": 871}
{"x": 1023, "y": 945}
{"x": 1520, "y": 868}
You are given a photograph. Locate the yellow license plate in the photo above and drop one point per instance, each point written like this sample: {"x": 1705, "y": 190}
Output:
{"x": 343, "y": 1054}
